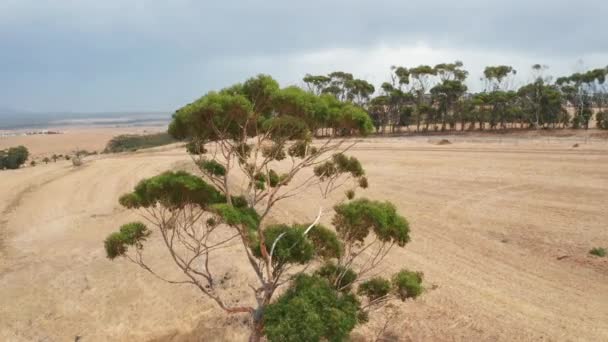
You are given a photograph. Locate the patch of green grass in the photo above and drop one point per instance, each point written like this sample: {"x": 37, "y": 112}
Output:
{"x": 598, "y": 251}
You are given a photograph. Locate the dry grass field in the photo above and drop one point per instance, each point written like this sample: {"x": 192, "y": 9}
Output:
{"x": 501, "y": 228}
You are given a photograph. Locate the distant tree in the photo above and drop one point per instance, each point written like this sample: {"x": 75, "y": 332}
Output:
{"x": 13, "y": 157}
{"x": 46, "y": 160}
{"x": 33, "y": 163}
{"x": 422, "y": 80}
{"x": 55, "y": 157}
{"x": 448, "y": 93}
{"x": 261, "y": 132}
{"x": 342, "y": 85}
{"x": 579, "y": 89}
{"x": 498, "y": 77}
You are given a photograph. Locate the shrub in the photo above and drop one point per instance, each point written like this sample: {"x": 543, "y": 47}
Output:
{"x": 350, "y": 194}
{"x": 131, "y": 142}
{"x": 375, "y": 288}
{"x": 76, "y": 160}
{"x": 598, "y": 251}
{"x": 13, "y": 157}
{"x": 408, "y": 284}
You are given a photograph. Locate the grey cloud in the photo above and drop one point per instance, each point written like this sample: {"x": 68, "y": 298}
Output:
{"x": 131, "y": 41}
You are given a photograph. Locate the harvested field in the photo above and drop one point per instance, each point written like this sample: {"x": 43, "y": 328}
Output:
{"x": 501, "y": 228}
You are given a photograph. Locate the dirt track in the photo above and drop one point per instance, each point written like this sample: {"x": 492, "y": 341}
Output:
{"x": 502, "y": 230}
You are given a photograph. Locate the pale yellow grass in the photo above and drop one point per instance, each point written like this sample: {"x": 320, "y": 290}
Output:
{"x": 489, "y": 222}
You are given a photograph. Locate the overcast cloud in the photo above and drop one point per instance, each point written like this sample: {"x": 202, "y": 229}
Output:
{"x": 116, "y": 55}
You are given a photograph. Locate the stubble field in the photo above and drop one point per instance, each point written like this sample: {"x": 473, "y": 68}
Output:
{"x": 501, "y": 229}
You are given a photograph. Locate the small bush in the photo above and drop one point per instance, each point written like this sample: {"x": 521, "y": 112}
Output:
{"x": 350, "y": 194}
{"x": 132, "y": 142}
{"x": 375, "y": 288}
{"x": 408, "y": 284}
{"x": 13, "y": 157}
{"x": 444, "y": 142}
{"x": 598, "y": 251}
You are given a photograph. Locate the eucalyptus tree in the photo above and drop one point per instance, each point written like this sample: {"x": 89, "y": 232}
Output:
{"x": 316, "y": 83}
{"x": 393, "y": 107}
{"x": 498, "y": 77}
{"x": 252, "y": 144}
{"x": 543, "y": 105}
{"x": 579, "y": 89}
{"x": 449, "y": 91}
{"x": 499, "y": 97}
{"x": 422, "y": 79}
{"x": 342, "y": 85}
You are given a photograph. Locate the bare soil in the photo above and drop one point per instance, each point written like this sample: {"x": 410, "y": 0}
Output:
{"x": 501, "y": 228}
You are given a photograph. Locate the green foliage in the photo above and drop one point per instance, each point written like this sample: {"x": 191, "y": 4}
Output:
{"x": 311, "y": 310}
{"x": 196, "y": 147}
{"x": 130, "y": 234}
{"x": 354, "y": 221}
{"x": 339, "y": 164}
{"x": 340, "y": 277}
{"x": 213, "y": 167}
{"x": 602, "y": 120}
{"x": 237, "y": 216}
{"x": 326, "y": 242}
{"x": 172, "y": 190}
{"x": 274, "y": 151}
{"x": 131, "y": 142}
{"x": 292, "y": 247}
{"x": 262, "y": 108}
{"x": 273, "y": 178}
{"x": 375, "y": 288}
{"x": 13, "y": 157}
{"x": 407, "y": 284}
{"x": 598, "y": 251}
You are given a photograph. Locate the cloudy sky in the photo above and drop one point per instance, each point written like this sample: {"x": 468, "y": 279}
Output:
{"x": 128, "y": 55}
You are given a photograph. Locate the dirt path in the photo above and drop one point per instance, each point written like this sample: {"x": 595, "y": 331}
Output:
{"x": 487, "y": 230}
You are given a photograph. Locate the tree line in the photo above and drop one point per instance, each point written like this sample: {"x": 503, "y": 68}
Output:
{"x": 435, "y": 98}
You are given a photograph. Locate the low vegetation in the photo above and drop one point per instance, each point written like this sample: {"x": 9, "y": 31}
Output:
{"x": 598, "y": 251}
{"x": 132, "y": 142}
{"x": 13, "y": 157}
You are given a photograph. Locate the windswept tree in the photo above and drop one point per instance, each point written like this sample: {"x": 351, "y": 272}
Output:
{"x": 498, "y": 77}
{"x": 422, "y": 79}
{"x": 451, "y": 89}
{"x": 579, "y": 89}
{"x": 342, "y": 85}
{"x": 393, "y": 107}
{"x": 253, "y": 145}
